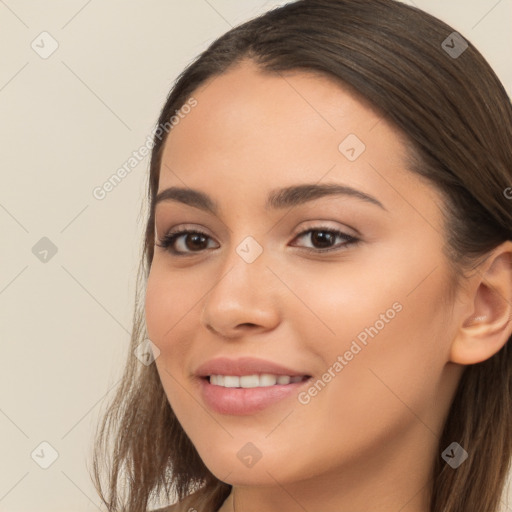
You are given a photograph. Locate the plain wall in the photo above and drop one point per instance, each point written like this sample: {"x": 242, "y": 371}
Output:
{"x": 67, "y": 123}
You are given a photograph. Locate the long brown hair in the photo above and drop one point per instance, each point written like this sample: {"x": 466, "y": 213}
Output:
{"x": 457, "y": 120}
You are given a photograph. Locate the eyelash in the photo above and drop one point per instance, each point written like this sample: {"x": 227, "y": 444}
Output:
{"x": 169, "y": 239}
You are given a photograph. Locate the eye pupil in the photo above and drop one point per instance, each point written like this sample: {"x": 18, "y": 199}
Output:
{"x": 322, "y": 238}
{"x": 195, "y": 238}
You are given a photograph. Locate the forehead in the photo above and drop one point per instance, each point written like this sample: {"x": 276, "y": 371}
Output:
{"x": 247, "y": 105}
{"x": 260, "y": 131}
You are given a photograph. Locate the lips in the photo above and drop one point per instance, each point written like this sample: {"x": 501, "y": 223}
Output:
{"x": 242, "y": 400}
{"x": 245, "y": 366}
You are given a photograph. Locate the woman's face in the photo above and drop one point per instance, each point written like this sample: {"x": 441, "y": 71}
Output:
{"x": 361, "y": 319}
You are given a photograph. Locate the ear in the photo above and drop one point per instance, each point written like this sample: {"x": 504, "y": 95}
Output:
{"x": 487, "y": 324}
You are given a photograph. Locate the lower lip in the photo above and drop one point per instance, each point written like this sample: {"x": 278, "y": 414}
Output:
{"x": 240, "y": 401}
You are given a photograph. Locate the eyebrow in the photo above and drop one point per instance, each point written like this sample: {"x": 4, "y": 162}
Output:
{"x": 277, "y": 199}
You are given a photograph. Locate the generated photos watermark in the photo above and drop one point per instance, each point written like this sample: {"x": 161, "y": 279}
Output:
{"x": 100, "y": 192}
{"x": 304, "y": 397}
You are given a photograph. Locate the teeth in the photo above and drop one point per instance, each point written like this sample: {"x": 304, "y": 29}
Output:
{"x": 252, "y": 381}
{"x": 230, "y": 381}
{"x": 268, "y": 380}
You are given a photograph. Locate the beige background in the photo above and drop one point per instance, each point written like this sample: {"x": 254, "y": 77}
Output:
{"x": 68, "y": 122}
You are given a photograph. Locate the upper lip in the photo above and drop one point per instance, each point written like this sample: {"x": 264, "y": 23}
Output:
{"x": 243, "y": 366}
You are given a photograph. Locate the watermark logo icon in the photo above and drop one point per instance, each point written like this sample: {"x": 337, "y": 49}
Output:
{"x": 454, "y": 455}
{"x": 249, "y": 455}
{"x": 454, "y": 45}
{"x": 249, "y": 249}
{"x": 146, "y": 352}
{"x": 352, "y": 147}
{"x": 44, "y": 250}
{"x": 44, "y": 455}
{"x": 44, "y": 45}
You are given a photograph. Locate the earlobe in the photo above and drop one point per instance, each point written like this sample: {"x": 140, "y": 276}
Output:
{"x": 488, "y": 326}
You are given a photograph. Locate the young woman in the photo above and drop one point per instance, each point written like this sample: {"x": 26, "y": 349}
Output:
{"x": 327, "y": 275}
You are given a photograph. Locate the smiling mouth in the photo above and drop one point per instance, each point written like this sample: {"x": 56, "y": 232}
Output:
{"x": 255, "y": 380}
{"x": 249, "y": 393}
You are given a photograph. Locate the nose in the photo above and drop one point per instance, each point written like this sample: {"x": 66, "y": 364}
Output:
{"x": 244, "y": 299}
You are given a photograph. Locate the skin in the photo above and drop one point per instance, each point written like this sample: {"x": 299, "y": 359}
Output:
{"x": 369, "y": 438}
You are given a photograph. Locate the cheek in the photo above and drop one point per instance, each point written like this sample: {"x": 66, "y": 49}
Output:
{"x": 165, "y": 312}
{"x": 393, "y": 355}
{"x": 382, "y": 388}
{"x": 168, "y": 301}
{"x": 390, "y": 334}
{"x": 331, "y": 306}
{"x": 156, "y": 308}
{"x": 172, "y": 303}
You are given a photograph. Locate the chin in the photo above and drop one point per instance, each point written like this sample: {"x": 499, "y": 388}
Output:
{"x": 241, "y": 463}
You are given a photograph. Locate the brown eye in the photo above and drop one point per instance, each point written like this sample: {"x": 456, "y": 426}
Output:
{"x": 194, "y": 241}
{"x": 185, "y": 242}
{"x": 324, "y": 239}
